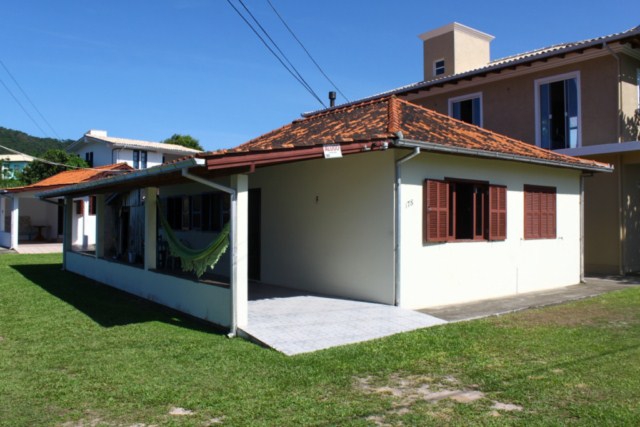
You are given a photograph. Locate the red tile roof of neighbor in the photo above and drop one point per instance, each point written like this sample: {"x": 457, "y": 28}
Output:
{"x": 74, "y": 176}
{"x": 394, "y": 120}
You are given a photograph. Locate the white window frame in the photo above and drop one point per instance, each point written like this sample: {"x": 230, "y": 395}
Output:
{"x": 466, "y": 98}
{"x": 536, "y": 91}
{"x": 435, "y": 68}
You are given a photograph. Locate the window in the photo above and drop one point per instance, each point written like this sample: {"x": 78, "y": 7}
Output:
{"x": 79, "y": 207}
{"x": 464, "y": 210}
{"x": 438, "y": 67}
{"x": 205, "y": 212}
{"x": 539, "y": 212}
{"x": 467, "y": 108}
{"x": 558, "y": 112}
{"x": 88, "y": 157}
{"x": 139, "y": 159}
{"x": 92, "y": 205}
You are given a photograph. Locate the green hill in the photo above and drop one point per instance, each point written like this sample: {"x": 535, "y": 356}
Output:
{"x": 28, "y": 144}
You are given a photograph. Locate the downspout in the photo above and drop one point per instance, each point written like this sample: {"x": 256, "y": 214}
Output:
{"x": 234, "y": 247}
{"x": 398, "y": 221}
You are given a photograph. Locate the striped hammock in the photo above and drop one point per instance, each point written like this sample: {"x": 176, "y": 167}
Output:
{"x": 194, "y": 260}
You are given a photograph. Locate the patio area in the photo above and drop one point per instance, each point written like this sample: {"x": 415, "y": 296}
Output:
{"x": 295, "y": 322}
{"x": 39, "y": 248}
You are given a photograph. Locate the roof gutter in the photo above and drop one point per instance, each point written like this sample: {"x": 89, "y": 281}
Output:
{"x": 118, "y": 179}
{"x": 431, "y": 146}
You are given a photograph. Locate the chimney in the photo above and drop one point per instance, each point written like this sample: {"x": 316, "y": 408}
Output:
{"x": 96, "y": 133}
{"x": 332, "y": 99}
{"x": 454, "y": 49}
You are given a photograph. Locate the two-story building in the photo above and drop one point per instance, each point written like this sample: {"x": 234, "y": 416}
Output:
{"x": 580, "y": 98}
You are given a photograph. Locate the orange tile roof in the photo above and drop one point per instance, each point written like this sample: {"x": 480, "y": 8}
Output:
{"x": 390, "y": 119}
{"x": 74, "y": 176}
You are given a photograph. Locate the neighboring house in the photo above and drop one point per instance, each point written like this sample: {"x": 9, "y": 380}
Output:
{"x": 27, "y": 218}
{"x": 98, "y": 149}
{"x": 580, "y": 98}
{"x": 382, "y": 201}
{"x": 13, "y": 164}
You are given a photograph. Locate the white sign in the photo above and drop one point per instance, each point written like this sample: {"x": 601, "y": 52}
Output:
{"x": 332, "y": 151}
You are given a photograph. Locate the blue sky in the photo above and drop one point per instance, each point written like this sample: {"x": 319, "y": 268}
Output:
{"x": 146, "y": 70}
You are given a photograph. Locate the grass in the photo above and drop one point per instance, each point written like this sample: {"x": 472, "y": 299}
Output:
{"x": 76, "y": 353}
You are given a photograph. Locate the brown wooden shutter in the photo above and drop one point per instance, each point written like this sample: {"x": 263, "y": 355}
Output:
{"x": 79, "y": 207}
{"x": 497, "y": 212}
{"x": 551, "y": 214}
{"x": 436, "y": 211}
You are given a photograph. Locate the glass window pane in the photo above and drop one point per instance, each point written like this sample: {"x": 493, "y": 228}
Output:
{"x": 545, "y": 139}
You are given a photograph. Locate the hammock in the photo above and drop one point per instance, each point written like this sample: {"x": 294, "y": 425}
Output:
{"x": 195, "y": 260}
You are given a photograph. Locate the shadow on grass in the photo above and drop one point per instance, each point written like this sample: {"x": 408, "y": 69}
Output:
{"x": 105, "y": 305}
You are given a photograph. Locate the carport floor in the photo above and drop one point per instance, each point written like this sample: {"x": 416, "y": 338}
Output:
{"x": 295, "y": 323}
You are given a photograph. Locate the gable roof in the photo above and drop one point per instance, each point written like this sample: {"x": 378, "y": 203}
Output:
{"x": 631, "y": 36}
{"x": 74, "y": 176}
{"x": 370, "y": 124}
{"x": 134, "y": 144}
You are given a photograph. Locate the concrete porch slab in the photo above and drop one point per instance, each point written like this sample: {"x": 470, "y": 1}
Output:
{"x": 39, "y": 248}
{"x": 295, "y": 324}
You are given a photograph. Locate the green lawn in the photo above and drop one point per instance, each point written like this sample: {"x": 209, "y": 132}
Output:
{"x": 75, "y": 353}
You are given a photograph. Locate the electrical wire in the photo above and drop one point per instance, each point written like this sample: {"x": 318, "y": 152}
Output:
{"x": 29, "y": 99}
{"x": 306, "y": 51}
{"x": 23, "y": 109}
{"x": 266, "y": 33}
{"x": 246, "y": 21}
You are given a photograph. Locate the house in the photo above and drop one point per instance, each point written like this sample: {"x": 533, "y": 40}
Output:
{"x": 13, "y": 164}
{"x": 382, "y": 201}
{"x": 98, "y": 149}
{"x": 26, "y": 217}
{"x": 580, "y": 98}
{"x": 102, "y": 153}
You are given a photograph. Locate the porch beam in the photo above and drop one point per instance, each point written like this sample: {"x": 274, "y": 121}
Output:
{"x": 239, "y": 252}
{"x": 67, "y": 230}
{"x": 15, "y": 222}
{"x": 99, "y": 237}
{"x": 150, "y": 228}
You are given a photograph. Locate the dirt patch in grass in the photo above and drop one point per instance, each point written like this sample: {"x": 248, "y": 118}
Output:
{"x": 588, "y": 314}
{"x": 408, "y": 390}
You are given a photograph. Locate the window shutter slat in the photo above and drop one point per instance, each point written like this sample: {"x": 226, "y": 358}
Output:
{"x": 539, "y": 212}
{"x": 497, "y": 212}
{"x": 436, "y": 211}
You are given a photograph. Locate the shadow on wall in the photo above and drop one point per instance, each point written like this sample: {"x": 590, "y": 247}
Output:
{"x": 105, "y": 305}
{"x": 630, "y": 127}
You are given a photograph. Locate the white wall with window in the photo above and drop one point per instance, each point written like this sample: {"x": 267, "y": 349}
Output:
{"x": 557, "y": 106}
{"x": 467, "y": 108}
{"x": 472, "y": 260}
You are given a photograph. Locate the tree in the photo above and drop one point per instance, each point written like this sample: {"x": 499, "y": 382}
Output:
{"x": 37, "y": 171}
{"x": 184, "y": 140}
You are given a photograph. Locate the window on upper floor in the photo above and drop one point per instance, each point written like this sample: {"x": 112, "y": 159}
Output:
{"x": 539, "y": 212}
{"x": 467, "y": 108}
{"x": 438, "y": 67}
{"x": 463, "y": 210}
{"x": 88, "y": 157}
{"x": 558, "y": 111}
{"x": 139, "y": 159}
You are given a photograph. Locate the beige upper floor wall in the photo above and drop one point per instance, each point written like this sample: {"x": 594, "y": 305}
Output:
{"x": 509, "y": 104}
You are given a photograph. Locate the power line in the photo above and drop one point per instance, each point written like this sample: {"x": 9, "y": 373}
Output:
{"x": 307, "y": 52}
{"x": 275, "y": 54}
{"x": 278, "y": 48}
{"x": 23, "y": 109}
{"x": 29, "y": 99}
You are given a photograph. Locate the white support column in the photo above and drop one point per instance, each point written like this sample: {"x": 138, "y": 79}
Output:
{"x": 150, "y": 228}
{"x": 2, "y": 212}
{"x": 67, "y": 230}
{"x": 15, "y": 222}
{"x": 100, "y": 211}
{"x": 239, "y": 250}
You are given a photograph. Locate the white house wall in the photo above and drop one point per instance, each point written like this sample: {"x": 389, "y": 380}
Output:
{"x": 125, "y": 155}
{"x": 210, "y": 303}
{"x": 327, "y": 225}
{"x": 102, "y": 154}
{"x": 436, "y": 274}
